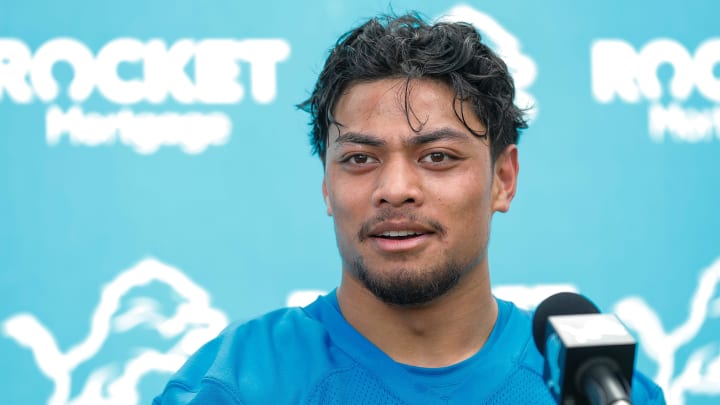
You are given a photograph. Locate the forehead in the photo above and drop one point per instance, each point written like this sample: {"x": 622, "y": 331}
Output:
{"x": 402, "y": 106}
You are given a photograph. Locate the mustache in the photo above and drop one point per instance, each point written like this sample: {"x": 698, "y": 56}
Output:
{"x": 390, "y": 214}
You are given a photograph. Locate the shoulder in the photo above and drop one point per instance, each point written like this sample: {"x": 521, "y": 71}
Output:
{"x": 645, "y": 391}
{"x": 518, "y": 326}
{"x": 248, "y": 361}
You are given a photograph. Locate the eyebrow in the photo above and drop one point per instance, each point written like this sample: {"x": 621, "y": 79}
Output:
{"x": 437, "y": 135}
{"x": 421, "y": 139}
{"x": 360, "y": 139}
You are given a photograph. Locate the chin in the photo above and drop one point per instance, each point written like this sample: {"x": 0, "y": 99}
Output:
{"x": 408, "y": 286}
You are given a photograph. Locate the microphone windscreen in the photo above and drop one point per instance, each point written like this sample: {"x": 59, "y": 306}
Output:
{"x": 564, "y": 303}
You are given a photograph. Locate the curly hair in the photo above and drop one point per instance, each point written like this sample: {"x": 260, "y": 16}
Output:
{"x": 407, "y": 46}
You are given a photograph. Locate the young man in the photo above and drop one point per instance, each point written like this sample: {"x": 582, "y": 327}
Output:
{"x": 416, "y": 128}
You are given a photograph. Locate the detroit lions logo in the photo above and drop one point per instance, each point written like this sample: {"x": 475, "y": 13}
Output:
{"x": 701, "y": 372}
{"x": 120, "y": 311}
{"x": 194, "y": 322}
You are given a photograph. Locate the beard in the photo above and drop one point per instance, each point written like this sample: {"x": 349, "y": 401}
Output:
{"x": 410, "y": 287}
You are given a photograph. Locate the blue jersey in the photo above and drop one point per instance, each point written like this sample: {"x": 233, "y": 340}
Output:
{"x": 312, "y": 355}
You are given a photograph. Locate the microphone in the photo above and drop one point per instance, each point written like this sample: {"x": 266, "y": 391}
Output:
{"x": 589, "y": 356}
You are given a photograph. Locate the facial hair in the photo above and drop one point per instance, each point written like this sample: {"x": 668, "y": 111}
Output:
{"x": 410, "y": 287}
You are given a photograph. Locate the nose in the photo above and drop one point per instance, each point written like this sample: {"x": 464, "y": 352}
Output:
{"x": 399, "y": 182}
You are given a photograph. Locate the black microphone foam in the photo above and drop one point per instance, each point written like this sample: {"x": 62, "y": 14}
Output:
{"x": 564, "y": 303}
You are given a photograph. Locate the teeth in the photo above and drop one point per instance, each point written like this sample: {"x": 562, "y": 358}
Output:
{"x": 395, "y": 234}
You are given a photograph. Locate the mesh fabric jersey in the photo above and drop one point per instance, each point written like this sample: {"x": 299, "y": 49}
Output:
{"x": 312, "y": 355}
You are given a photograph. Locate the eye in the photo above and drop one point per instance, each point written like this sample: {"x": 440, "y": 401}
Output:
{"x": 359, "y": 159}
{"x": 436, "y": 157}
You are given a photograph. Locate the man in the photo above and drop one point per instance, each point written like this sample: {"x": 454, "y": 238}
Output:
{"x": 416, "y": 128}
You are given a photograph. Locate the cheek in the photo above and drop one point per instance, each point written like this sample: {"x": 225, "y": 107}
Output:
{"x": 464, "y": 207}
{"x": 348, "y": 195}
{"x": 347, "y": 210}
{"x": 343, "y": 202}
{"x": 466, "y": 194}
{"x": 347, "y": 220}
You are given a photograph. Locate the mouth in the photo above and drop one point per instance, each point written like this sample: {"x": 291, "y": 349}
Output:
{"x": 400, "y": 236}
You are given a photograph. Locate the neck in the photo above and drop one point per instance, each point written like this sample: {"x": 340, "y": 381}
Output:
{"x": 446, "y": 331}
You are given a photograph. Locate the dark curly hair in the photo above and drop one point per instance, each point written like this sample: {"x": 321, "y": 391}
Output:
{"x": 407, "y": 46}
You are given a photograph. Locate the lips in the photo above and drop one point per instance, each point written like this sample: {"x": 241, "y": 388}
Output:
{"x": 398, "y": 229}
{"x": 399, "y": 236}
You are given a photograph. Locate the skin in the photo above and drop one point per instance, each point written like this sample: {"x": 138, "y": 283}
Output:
{"x": 440, "y": 182}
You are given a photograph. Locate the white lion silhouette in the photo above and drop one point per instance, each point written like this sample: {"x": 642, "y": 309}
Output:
{"x": 702, "y": 370}
{"x": 193, "y": 323}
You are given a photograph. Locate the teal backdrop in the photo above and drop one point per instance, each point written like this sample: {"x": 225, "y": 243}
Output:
{"x": 156, "y": 180}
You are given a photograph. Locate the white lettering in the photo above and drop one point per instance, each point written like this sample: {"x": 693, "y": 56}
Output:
{"x": 618, "y": 70}
{"x": 216, "y": 72}
{"x": 612, "y": 71}
{"x": 108, "y": 59}
{"x": 144, "y": 132}
{"x": 14, "y": 63}
{"x": 683, "y": 124}
{"x": 164, "y": 71}
{"x": 57, "y": 123}
{"x": 707, "y": 57}
{"x": 68, "y": 50}
{"x": 653, "y": 55}
{"x": 263, "y": 56}
{"x": 216, "y": 76}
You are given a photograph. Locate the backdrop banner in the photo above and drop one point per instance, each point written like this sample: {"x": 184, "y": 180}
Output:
{"x": 157, "y": 183}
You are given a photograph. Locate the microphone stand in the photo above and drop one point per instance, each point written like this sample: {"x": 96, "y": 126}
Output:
{"x": 603, "y": 385}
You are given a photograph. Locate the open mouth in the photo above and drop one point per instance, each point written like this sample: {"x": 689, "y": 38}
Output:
{"x": 399, "y": 235}
{"x": 391, "y": 238}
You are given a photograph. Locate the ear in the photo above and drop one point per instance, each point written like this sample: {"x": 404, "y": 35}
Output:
{"x": 327, "y": 199}
{"x": 505, "y": 174}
